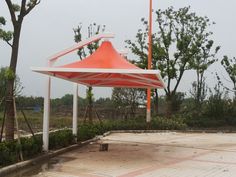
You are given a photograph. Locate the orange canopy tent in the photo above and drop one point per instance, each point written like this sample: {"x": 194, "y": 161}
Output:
{"x": 105, "y": 68}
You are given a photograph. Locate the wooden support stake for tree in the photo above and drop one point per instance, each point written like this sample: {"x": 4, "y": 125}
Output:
{"x": 1, "y": 101}
{"x": 27, "y": 122}
{"x": 3, "y": 122}
{"x": 98, "y": 116}
{"x": 17, "y": 130}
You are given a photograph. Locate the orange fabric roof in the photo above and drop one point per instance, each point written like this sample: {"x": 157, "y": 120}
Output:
{"x": 105, "y": 57}
{"x": 106, "y": 68}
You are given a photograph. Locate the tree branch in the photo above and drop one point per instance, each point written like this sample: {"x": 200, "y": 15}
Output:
{"x": 180, "y": 77}
{"x": 226, "y": 78}
{"x": 10, "y": 8}
{"x": 9, "y": 43}
{"x": 23, "y": 7}
{"x": 166, "y": 91}
{"x": 32, "y": 7}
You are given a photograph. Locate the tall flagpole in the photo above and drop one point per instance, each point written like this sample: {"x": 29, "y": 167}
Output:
{"x": 148, "y": 116}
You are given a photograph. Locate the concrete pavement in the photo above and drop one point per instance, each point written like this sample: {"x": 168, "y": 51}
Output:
{"x": 151, "y": 155}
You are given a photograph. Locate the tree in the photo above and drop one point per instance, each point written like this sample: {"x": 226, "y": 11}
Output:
{"x": 128, "y": 97}
{"x": 30, "y": 102}
{"x": 93, "y": 29}
{"x": 17, "y": 13}
{"x": 203, "y": 59}
{"x": 66, "y": 102}
{"x": 175, "y": 44}
{"x": 106, "y": 103}
{"x": 230, "y": 67}
{"x": 139, "y": 47}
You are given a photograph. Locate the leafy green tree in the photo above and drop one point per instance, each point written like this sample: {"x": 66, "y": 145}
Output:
{"x": 203, "y": 59}
{"x": 139, "y": 47}
{"x": 66, "y": 102}
{"x": 30, "y": 102}
{"x": 175, "y": 45}
{"x": 128, "y": 97}
{"x": 17, "y": 12}
{"x": 230, "y": 67}
{"x": 93, "y": 29}
{"x": 106, "y": 103}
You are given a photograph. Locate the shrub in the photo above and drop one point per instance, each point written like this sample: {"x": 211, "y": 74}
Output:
{"x": 88, "y": 131}
{"x": 60, "y": 139}
{"x": 9, "y": 151}
{"x": 31, "y": 147}
{"x": 173, "y": 123}
{"x": 130, "y": 124}
{"x": 204, "y": 122}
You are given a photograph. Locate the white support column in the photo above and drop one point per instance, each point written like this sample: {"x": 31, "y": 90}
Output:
{"x": 46, "y": 115}
{"x": 75, "y": 109}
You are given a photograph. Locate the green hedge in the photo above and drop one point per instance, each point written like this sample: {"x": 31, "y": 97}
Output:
{"x": 31, "y": 147}
{"x": 174, "y": 123}
{"x": 88, "y": 131}
{"x": 9, "y": 151}
{"x": 60, "y": 139}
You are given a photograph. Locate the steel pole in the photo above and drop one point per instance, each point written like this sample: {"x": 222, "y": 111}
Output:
{"x": 46, "y": 115}
{"x": 75, "y": 110}
{"x": 148, "y": 116}
{"x": 46, "y": 112}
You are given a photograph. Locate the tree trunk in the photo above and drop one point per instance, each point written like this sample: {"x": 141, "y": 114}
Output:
{"x": 169, "y": 105}
{"x": 170, "y": 98}
{"x": 156, "y": 102}
{"x": 90, "y": 111}
{"x": 9, "y": 131}
{"x": 90, "y": 99}
{"x": 133, "y": 109}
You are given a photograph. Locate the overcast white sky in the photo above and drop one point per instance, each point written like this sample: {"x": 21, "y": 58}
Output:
{"x": 48, "y": 29}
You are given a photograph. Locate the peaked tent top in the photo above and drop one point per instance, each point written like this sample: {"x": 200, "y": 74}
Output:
{"x": 105, "y": 57}
{"x": 105, "y": 68}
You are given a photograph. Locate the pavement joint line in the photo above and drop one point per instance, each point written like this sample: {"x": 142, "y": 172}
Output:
{"x": 215, "y": 162}
{"x": 179, "y": 138}
{"x": 175, "y": 131}
{"x": 214, "y": 171}
{"x": 176, "y": 161}
{"x": 170, "y": 145}
{"x": 157, "y": 167}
